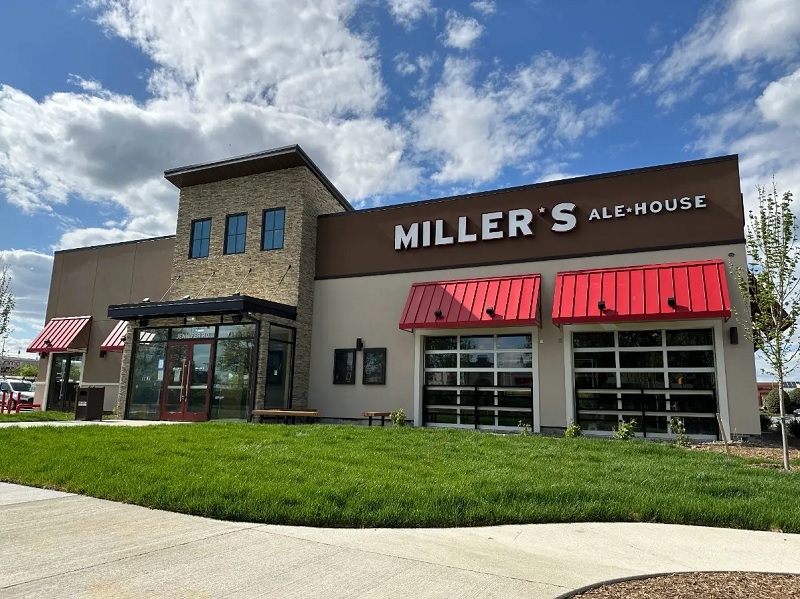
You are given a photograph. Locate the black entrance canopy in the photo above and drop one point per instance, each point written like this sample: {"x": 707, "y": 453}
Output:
{"x": 217, "y": 306}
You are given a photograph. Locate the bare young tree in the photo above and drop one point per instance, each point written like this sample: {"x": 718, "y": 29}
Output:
{"x": 771, "y": 284}
{"x": 6, "y": 301}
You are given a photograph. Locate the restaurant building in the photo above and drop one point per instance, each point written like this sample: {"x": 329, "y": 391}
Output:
{"x": 595, "y": 299}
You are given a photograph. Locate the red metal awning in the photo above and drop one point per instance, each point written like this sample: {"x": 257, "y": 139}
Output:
{"x": 677, "y": 291}
{"x": 62, "y": 334}
{"x": 116, "y": 338}
{"x": 494, "y": 301}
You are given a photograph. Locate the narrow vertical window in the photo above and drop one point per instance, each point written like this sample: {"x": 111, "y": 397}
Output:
{"x": 272, "y": 235}
{"x": 235, "y": 233}
{"x": 201, "y": 237}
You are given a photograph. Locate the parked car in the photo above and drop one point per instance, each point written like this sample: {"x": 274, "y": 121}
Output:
{"x": 18, "y": 388}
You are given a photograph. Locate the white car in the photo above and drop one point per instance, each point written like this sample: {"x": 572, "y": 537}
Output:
{"x": 17, "y": 386}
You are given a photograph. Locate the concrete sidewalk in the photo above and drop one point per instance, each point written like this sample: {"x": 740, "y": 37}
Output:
{"x": 60, "y": 545}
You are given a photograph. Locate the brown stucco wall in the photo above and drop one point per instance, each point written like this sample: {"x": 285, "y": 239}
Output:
{"x": 84, "y": 282}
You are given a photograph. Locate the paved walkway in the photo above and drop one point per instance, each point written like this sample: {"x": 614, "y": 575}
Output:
{"x": 60, "y": 545}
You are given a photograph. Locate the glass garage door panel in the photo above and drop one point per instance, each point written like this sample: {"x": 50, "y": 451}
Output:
{"x": 478, "y": 381}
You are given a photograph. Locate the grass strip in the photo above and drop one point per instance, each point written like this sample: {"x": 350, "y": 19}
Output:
{"x": 39, "y": 416}
{"x": 345, "y": 476}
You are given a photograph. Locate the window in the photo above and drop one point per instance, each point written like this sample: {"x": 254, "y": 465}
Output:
{"x": 201, "y": 237}
{"x": 344, "y": 367}
{"x": 235, "y": 233}
{"x": 272, "y": 233}
{"x": 374, "y": 366}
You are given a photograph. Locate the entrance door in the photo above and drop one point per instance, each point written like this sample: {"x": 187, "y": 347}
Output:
{"x": 187, "y": 381}
{"x": 65, "y": 376}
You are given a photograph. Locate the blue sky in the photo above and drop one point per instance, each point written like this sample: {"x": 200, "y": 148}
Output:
{"x": 396, "y": 100}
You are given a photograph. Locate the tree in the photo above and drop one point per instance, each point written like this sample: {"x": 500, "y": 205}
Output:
{"x": 6, "y": 302}
{"x": 26, "y": 370}
{"x": 772, "y": 401}
{"x": 771, "y": 284}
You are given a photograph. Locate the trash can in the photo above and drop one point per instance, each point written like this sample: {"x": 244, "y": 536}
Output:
{"x": 89, "y": 405}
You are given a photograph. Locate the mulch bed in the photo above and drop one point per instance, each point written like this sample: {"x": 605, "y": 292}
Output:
{"x": 767, "y": 447}
{"x": 701, "y": 585}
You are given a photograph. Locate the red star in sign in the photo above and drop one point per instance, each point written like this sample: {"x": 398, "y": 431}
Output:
{"x": 542, "y": 210}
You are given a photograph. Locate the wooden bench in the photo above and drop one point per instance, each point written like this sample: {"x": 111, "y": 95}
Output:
{"x": 371, "y": 415}
{"x": 286, "y": 415}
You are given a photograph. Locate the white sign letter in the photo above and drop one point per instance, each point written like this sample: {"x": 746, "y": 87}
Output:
{"x": 440, "y": 238}
{"x": 426, "y": 234}
{"x": 699, "y": 201}
{"x": 406, "y": 240}
{"x": 463, "y": 236}
{"x": 519, "y": 221}
{"x": 490, "y": 225}
{"x": 564, "y": 217}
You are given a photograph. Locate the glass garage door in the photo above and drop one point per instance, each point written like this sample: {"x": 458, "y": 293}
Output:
{"x": 478, "y": 381}
{"x": 647, "y": 376}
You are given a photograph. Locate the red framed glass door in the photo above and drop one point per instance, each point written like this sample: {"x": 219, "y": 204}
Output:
{"x": 187, "y": 381}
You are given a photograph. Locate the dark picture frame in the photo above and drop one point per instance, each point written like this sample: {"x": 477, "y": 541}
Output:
{"x": 344, "y": 366}
{"x": 374, "y": 367}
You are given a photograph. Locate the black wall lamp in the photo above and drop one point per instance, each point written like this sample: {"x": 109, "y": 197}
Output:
{"x": 359, "y": 344}
{"x": 102, "y": 353}
{"x": 490, "y": 311}
{"x": 144, "y": 322}
{"x": 601, "y": 305}
{"x": 734, "y": 332}
{"x": 48, "y": 343}
{"x": 437, "y": 314}
{"x": 671, "y": 302}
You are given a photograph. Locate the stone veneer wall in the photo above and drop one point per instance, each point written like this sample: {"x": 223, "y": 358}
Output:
{"x": 285, "y": 276}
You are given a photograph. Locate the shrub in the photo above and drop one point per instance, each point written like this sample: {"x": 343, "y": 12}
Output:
{"x": 766, "y": 422}
{"x": 678, "y": 429}
{"x": 791, "y": 401}
{"x": 793, "y": 426}
{"x": 626, "y": 430}
{"x": 524, "y": 426}
{"x": 398, "y": 418}
{"x": 573, "y": 430}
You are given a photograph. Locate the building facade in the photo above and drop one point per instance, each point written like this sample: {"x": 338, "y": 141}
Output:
{"x": 595, "y": 300}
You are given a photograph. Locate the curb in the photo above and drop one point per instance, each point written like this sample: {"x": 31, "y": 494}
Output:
{"x": 602, "y": 583}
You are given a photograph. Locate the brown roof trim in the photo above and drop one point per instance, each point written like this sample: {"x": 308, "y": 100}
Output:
{"x": 633, "y": 171}
{"x": 251, "y": 164}
{"x": 108, "y": 245}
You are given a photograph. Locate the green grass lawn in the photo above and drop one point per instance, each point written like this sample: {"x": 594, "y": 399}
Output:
{"x": 36, "y": 416}
{"x": 398, "y": 477}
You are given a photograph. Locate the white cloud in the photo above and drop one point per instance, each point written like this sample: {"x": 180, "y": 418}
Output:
{"x": 30, "y": 278}
{"x": 403, "y": 64}
{"x": 557, "y": 176}
{"x": 229, "y": 80}
{"x": 764, "y": 133}
{"x": 732, "y": 33}
{"x": 461, "y": 32}
{"x": 487, "y": 7}
{"x": 474, "y": 130}
{"x": 408, "y": 12}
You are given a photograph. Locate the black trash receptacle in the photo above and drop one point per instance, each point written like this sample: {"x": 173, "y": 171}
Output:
{"x": 89, "y": 405}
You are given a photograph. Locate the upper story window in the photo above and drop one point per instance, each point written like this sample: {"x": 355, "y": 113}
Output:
{"x": 235, "y": 233}
{"x": 201, "y": 237}
{"x": 272, "y": 235}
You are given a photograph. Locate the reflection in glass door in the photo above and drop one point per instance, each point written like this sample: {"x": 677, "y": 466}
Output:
{"x": 280, "y": 367}
{"x": 65, "y": 376}
{"x": 187, "y": 381}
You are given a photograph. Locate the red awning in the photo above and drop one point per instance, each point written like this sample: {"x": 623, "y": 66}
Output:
{"x": 494, "y": 301}
{"x": 678, "y": 291}
{"x": 62, "y": 334}
{"x": 116, "y": 339}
